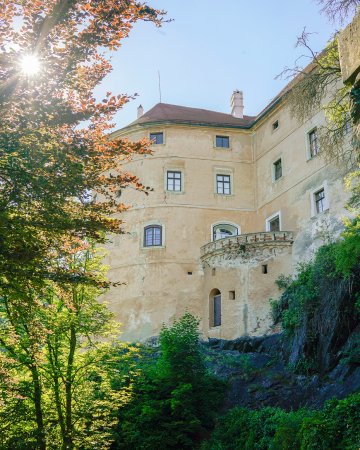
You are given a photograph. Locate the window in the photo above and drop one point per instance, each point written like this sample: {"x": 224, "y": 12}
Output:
{"x": 313, "y": 143}
{"x": 223, "y": 185}
{"x": 319, "y": 198}
{"x": 223, "y": 141}
{"x": 273, "y": 223}
{"x": 264, "y": 269}
{"x": 215, "y": 308}
{"x": 224, "y": 230}
{"x": 277, "y": 167}
{"x": 275, "y": 125}
{"x": 173, "y": 181}
{"x": 157, "y": 138}
{"x": 153, "y": 236}
{"x": 231, "y": 295}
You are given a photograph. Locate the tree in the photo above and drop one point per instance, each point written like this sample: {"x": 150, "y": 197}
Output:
{"x": 60, "y": 372}
{"x": 60, "y": 182}
{"x": 319, "y": 86}
{"x": 174, "y": 398}
{"x": 60, "y": 173}
{"x": 338, "y": 9}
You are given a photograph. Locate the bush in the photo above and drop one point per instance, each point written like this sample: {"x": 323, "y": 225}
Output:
{"x": 335, "y": 427}
{"x": 319, "y": 309}
{"x": 264, "y": 429}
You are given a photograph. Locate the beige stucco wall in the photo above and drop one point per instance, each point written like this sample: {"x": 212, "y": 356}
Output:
{"x": 162, "y": 283}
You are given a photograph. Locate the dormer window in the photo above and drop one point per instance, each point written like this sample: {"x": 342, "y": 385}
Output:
{"x": 157, "y": 138}
{"x": 222, "y": 141}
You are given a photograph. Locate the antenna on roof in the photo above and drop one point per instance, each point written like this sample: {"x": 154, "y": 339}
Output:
{"x": 159, "y": 85}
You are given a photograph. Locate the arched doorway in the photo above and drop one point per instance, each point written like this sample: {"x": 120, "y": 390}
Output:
{"x": 215, "y": 308}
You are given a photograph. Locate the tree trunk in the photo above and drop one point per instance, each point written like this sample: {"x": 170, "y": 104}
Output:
{"x": 53, "y": 358}
{"x": 41, "y": 437}
{"x": 68, "y": 441}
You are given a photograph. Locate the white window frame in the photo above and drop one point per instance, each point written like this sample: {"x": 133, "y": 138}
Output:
{"x": 223, "y": 222}
{"x": 174, "y": 169}
{"x": 272, "y": 217}
{"x": 142, "y": 234}
{"x": 324, "y": 187}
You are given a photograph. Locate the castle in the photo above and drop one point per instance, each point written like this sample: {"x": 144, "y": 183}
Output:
{"x": 237, "y": 201}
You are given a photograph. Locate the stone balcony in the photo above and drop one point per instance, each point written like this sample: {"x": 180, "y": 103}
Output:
{"x": 251, "y": 247}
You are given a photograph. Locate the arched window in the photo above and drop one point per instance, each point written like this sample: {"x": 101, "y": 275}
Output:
{"x": 215, "y": 308}
{"x": 153, "y": 236}
{"x": 224, "y": 230}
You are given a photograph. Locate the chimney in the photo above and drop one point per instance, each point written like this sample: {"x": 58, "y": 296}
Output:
{"x": 140, "y": 111}
{"x": 237, "y": 104}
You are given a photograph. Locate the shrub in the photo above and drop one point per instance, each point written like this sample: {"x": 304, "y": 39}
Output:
{"x": 335, "y": 427}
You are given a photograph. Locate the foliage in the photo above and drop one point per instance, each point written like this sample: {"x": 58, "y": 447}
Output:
{"x": 319, "y": 310}
{"x": 60, "y": 182}
{"x": 347, "y": 250}
{"x": 60, "y": 173}
{"x": 317, "y": 87}
{"x": 175, "y": 399}
{"x": 59, "y": 386}
{"x": 335, "y": 426}
{"x": 264, "y": 429}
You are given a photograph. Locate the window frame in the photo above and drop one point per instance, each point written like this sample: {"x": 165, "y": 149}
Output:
{"x": 269, "y": 219}
{"x": 167, "y": 179}
{"x": 274, "y": 168}
{"x": 325, "y": 202}
{"x": 223, "y": 182}
{"x": 224, "y": 223}
{"x": 157, "y": 133}
{"x": 220, "y": 136}
{"x": 154, "y": 226}
{"x": 309, "y": 143}
{"x": 275, "y": 125}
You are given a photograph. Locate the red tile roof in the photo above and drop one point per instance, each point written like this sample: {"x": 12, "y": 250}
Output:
{"x": 163, "y": 112}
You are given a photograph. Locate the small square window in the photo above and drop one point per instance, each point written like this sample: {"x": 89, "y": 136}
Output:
{"x": 223, "y": 184}
{"x": 173, "y": 181}
{"x": 264, "y": 269}
{"x": 231, "y": 295}
{"x": 275, "y": 125}
{"x": 319, "y": 198}
{"x": 277, "y": 167}
{"x": 313, "y": 143}
{"x": 157, "y": 138}
{"x": 223, "y": 141}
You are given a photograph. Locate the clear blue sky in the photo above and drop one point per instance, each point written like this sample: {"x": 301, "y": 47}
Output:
{"x": 211, "y": 48}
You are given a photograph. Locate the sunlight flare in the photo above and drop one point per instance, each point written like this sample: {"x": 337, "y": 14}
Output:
{"x": 30, "y": 65}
